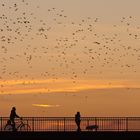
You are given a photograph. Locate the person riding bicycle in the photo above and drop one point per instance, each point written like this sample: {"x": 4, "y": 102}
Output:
{"x": 13, "y": 115}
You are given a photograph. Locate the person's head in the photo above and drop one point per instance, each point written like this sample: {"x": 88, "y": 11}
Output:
{"x": 13, "y": 108}
{"x": 78, "y": 113}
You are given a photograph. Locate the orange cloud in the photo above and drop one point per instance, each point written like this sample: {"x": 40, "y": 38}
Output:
{"x": 61, "y": 85}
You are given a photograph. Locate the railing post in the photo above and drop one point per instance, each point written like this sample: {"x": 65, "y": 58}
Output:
{"x": 88, "y": 122}
{"x": 57, "y": 125}
{"x": 96, "y": 122}
{"x": 1, "y": 123}
{"x": 27, "y": 124}
{"x": 33, "y": 124}
{"x": 127, "y": 124}
{"x": 64, "y": 124}
{"x": 118, "y": 124}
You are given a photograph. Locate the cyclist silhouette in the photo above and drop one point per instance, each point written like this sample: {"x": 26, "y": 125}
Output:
{"x": 13, "y": 115}
{"x": 11, "y": 125}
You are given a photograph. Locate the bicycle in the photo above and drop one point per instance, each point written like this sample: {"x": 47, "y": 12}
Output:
{"x": 21, "y": 127}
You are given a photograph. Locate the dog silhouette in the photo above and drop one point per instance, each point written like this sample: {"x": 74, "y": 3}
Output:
{"x": 92, "y": 127}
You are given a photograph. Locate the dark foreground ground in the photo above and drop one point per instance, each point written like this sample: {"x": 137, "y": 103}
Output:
{"x": 70, "y": 136}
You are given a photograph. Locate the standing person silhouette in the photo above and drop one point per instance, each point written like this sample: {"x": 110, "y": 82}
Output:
{"x": 77, "y": 121}
{"x": 13, "y": 115}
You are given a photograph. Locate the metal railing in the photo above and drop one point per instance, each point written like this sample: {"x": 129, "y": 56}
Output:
{"x": 68, "y": 123}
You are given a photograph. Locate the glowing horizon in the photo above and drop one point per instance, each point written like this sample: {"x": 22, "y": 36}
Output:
{"x": 61, "y": 85}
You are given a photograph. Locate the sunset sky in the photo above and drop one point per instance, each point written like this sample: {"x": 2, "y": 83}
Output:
{"x": 62, "y": 56}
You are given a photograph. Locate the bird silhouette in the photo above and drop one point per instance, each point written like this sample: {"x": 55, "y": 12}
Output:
{"x": 80, "y": 50}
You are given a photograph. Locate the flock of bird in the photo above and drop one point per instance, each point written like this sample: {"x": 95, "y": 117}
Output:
{"x": 30, "y": 46}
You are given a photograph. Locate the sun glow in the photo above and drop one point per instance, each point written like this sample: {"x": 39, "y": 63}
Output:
{"x": 45, "y": 105}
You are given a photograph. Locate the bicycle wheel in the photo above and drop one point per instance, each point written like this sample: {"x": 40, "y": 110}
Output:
{"x": 8, "y": 127}
{"x": 25, "y": 127}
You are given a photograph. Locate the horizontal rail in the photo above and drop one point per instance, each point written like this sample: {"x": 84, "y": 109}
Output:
{"x": 68, "y": 124}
